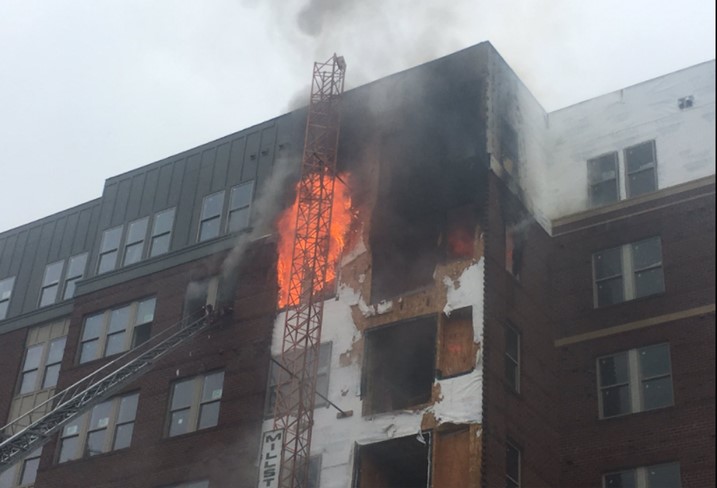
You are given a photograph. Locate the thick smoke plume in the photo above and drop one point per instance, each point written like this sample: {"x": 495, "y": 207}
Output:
{"x": 265, "y": 209}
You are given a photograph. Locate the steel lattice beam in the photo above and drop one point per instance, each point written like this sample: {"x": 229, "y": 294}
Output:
{"x": 294, "y": 409}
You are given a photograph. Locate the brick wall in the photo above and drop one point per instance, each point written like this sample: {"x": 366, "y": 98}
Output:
{"x": 12, "y": 354}
{"x": 527, "y": 418}
{"x": 225, "y": 454}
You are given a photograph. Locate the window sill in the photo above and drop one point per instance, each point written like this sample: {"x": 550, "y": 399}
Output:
{"x": 640, "y": 413}
{"x": 631, "y": 301}
{"x": 90, "y": 458}
{"x": 186, "y": 435}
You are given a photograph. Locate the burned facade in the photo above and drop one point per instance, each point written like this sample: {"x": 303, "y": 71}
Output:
{"x": 523, "y": 298}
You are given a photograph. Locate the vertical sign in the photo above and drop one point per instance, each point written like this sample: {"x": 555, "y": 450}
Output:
{"x": 270, "y": 461}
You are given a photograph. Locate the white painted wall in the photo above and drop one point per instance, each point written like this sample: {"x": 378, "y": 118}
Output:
{"x": 334, "y": 438}
{"x": 684, "y": 139}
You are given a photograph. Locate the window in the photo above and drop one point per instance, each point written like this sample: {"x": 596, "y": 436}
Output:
{"x": 635, "y": 381}
{"x": 314, "y": 472}
{"x": 210, "y": 221}
{"x": 641, "y": 169}
{"x": 22, "y": 474}
{"x": 198, "y": 294}
{"x": 134, "y": 244}
{"x": 628, "y": 272}
{"x": 602, "y": 179}
{"x": 161, "y": 232}
{"x": 107, "y": 427}
{"x": 41, "y": 367}
{"x": 322, "y": 379}
{"x": 195, "y": 403}
{"x": 399, "y": 462}
{"x": 457, "y": 352}
{"x": 5, "y": 294}
{"x": 512, "y": 358}
{"x": 240, "y": 206}
{"x": 656, "y": 476}
{"x": 75, "y": 272}
{"x": 399, "y": 365}
{"x": 114, "y": 331}
{"x": 191, "y": 484}
{"x": 108, "y": 249}
{"x": 512, "y": 466}
{"x": 51, "y": 283}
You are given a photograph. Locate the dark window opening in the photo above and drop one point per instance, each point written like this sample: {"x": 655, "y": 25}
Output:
{"x": 198, "y": 295}
{"x": 398, "y": 462}
{"x": 399, "y": 368}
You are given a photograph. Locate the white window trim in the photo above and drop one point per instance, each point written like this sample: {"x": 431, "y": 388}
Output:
{"x": 622, "y": 173}
{"x": 42, "y": 366}
{"x": 196, "y": 405}
{"x": 84, "y": 429}
{"x": 73, "y": 278}
{"x": 635, "y": 380}
{"x": 5, "y": 299}
{"x": 627, "y": 269}
{"x": 153, "y": 234}
{"x": 219, "y": 217}
{"x": 110, "y": 250}
{"x": 248, "y": 206}
{"x": 641, "y": 479}
{"x": 143, "y": 241}
{"x": 515, "y": 361}
{"x": 132, "y": 323}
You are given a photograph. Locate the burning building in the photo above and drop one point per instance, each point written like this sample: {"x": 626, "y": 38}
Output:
{"x": 516, "y": 298}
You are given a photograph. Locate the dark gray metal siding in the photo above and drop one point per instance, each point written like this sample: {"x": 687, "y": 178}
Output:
{"x": 26, "y": 250}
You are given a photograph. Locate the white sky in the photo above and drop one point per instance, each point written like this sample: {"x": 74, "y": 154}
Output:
{"x": 93, "y": 88}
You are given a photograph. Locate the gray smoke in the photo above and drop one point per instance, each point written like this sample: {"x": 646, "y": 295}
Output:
{"x": 265, "y": 210}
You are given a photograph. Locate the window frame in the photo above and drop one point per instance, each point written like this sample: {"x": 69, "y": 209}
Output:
{"x": 510, "y": 444}
{"x": 129, "y": 330}
{"x": 641, "y": 474}
{"x": 231, "y": 210}
{"x": 5, "y": 298}
{"x": 15, "y": 474}
{"x": 109, "y": 250}
{"x": 84, "y": 429}
{"x": 140, "y": 241}
{"x": 203, "y": 219}
{"x": 515, "y": 384}
{"x": 628, "y": 272}
{"x": 41, "y": 368}
{"x": 155, "y": 234}
{"x": 50, "y": 283}
{"x": 651, "y": 167}
{"x": 73, "y": 278}
{"x": 592, "y": 184}
{"x": 635, "y": 381}
{"x": 196, "y": 404}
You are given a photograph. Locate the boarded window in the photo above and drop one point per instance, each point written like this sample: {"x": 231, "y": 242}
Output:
{"x": 399, "y": 368}
{"x": 452, "y": 458}
{"x": 457, "y": 350}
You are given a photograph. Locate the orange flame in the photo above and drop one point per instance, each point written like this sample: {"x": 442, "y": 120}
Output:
{"x": 286, "y": 225}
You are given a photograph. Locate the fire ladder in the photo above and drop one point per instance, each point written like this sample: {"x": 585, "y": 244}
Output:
{"x": 35, "y": 428}
{"x": 294, "y": 408}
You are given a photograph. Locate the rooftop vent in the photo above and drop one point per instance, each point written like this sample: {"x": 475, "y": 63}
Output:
{"x": 685, "y": 102}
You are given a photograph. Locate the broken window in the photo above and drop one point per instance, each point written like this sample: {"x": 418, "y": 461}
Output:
{"x": 514, "y": 245}
{"x": 602, "y": 180}
{"x": 457, "y": 352}
{"x": 641, "y": 169}
{"x": 398, "y": 462}
{"x": 200, "y": 293}
{"x": 399, "y": 365}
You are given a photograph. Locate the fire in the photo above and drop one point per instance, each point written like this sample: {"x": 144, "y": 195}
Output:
{"x": 340, "y": 223}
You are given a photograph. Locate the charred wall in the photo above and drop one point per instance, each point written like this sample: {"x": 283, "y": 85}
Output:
{"x": 424, "y": 131}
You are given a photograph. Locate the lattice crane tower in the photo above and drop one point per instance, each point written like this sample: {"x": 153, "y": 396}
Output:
{"x": 294, "y": 409}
